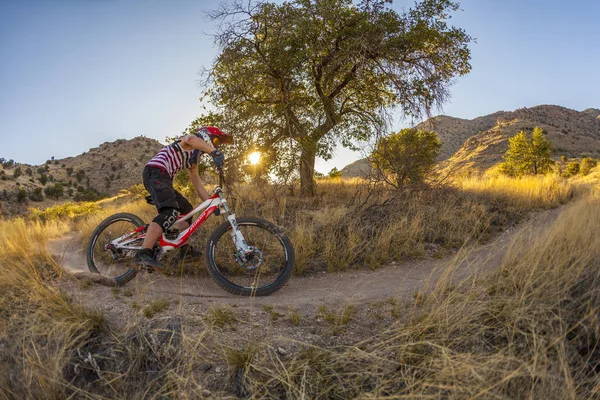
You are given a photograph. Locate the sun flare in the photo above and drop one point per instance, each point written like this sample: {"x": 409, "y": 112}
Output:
{"x": 254, "y": 158}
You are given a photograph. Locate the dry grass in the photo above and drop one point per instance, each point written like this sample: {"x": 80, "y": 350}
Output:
{"x": 528, "y": 330}
{"x": 527, "y": 192}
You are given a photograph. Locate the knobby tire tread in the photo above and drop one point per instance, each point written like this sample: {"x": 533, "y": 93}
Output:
{"x": 131, "y": 273}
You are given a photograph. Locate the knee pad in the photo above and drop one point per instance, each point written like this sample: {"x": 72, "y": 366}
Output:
{"x": 166, "y": 218}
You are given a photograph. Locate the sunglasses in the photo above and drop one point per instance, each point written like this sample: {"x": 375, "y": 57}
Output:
{"x": 216, "y": 140}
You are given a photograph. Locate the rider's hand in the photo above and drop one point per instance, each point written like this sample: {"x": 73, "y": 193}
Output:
{"x": 218, "y": 158}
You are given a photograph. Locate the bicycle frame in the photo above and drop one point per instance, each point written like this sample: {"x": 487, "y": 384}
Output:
{"x": 215, "y": 202}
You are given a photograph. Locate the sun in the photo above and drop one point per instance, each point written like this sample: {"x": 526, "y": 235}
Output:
{"x": 254, "y": 158}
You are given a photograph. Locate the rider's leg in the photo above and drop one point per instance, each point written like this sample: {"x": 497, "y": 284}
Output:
{"x": 186, "y": 251}
{"x": 152, "y": 235}
{"x": 160, "y": 186}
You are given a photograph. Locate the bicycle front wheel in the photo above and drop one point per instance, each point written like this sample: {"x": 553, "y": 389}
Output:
{"x": 264, "y": 272}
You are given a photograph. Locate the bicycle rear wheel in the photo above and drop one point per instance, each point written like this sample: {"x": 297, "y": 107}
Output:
{"x": 267, "y": 269}
{"x": 106, "y": 260}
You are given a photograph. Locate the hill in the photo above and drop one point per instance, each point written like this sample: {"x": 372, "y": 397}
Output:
{"x": 103, "y": 170}
{"x": 572, "y": 133}
{"x": 479, "y": 143}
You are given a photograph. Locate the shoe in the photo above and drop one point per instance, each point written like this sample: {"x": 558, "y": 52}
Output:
{"x": 189, "y": 253}
{"x": 145, "y": 257}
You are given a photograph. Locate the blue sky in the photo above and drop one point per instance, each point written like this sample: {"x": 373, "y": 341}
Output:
{"x": 77, "y": 73}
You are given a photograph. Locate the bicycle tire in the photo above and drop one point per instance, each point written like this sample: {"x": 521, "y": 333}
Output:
{"x": 127, "y": 217}
{"x": 235, "y": 289}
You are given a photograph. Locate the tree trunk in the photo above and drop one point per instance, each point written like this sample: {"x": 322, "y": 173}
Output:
{"x": 308, "y": 186}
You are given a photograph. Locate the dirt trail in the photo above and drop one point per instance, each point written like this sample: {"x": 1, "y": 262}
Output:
{"x": 400, "y": 280}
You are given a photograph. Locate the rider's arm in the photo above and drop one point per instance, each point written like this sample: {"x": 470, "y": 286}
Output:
{"x": 194, "y": 142}
{"x": 195, "y": 179}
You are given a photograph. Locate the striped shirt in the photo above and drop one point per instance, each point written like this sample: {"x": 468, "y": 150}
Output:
{"x": 173, "y": 158}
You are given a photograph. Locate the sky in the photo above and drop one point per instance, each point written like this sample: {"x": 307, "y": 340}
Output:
{"x": 77, "y": 73}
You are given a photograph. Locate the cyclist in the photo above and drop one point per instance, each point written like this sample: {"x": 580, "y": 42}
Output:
{"x": 158, "y": 179}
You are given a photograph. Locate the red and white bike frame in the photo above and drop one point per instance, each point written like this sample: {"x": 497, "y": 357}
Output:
{"x": 216, "y": 202}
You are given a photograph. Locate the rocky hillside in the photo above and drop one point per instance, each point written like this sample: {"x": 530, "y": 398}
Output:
{"x": 572, "y": 133}
{"x": 479, "y": 143}
{"x": 101, "y": 171}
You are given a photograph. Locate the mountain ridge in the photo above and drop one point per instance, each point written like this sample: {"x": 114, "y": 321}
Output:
{"x": 478, "y": 143}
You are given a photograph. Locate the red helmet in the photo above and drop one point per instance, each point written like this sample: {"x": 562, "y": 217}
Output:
{"x": 215, "y": 135}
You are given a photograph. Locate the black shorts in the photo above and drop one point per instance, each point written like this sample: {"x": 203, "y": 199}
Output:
{"x": 160, "y": 186}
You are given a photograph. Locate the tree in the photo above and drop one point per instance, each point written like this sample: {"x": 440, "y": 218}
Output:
{"x": 541, "y": 152}
{"x": 527, "y": 156}
{"x": 334, "y": 173}
{"x": 405, "y": 157}
{"x": 303, "y": 76}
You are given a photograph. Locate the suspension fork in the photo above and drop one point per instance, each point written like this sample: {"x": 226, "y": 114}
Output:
{"x": 236, "y": 235}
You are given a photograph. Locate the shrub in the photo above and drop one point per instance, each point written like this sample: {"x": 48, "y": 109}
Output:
{"x": 36, "y": 195}
{"x": 405, "y": 157}
{"x": 21, "y": 195}
{"x": 87, "y": 195}
{"x": 587, "y": 163}
{"x": 18, "y": 172}
{"x": 334, "y": 173}
{"x": 69, "y": 171}
{"x": 43, "y": 179}
{"x": 572, "y": 169}
{"x": 80, "y": 175}
{"x": 54, "y": 192}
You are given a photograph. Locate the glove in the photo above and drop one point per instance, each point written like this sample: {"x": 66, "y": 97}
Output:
{"x": 218, "y": 158}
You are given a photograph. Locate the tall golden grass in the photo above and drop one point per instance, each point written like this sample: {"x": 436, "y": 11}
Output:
{"x": 527, "y": 330}
{"x": 527, "y": 192}
{"x": 39, "y": 326}
{"x": 530, "y": 330}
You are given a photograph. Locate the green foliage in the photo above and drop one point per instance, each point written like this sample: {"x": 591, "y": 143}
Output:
{"x": 21, "y": 195}
{"x": 80, "y": 175}
{"x": 68, "y": 210}
{"x": 18, "y": 172}
{"x": 527, "y": 156}
{"x": 334, "y": 173}
{"x": 55, "y": 191}
{"x": 87, "y": 195}
{"x": 7, "y": 164}
{"x": 587, "y": 163}
{"x": 299, "y": 78}
{"x": 572, "y": 169}
{"x": 43, "y": 179}
{"x": 36, "y": 195}
{"x": 405, "y": 157}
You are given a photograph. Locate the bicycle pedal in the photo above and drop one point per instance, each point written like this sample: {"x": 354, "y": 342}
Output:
{"x": 146, "y": 268}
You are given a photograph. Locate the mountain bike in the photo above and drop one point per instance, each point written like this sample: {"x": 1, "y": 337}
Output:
{"x": 244, "y": 256}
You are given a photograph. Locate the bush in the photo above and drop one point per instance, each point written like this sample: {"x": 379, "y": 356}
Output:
{"x": 333, "y": 174}
{"x": 406, "y": 157}
{"x": 43, "y": 179}
{"x": 55, "y": 192}
{"x": 587, "y": 163}
{"x": 572, "y": 169}
{"x": 87, "y": 195}
{"x": 21, "y": 195}
{"x": 18, "y": 172}
{"x": 36, "y": 195}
